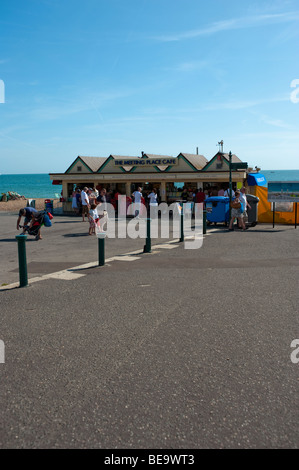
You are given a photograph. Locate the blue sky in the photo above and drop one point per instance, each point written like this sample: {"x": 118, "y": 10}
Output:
{"x": 104, "y": 77}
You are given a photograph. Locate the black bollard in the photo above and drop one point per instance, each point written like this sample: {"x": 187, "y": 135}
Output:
{"x": 21, "y": 239}
{"x": 148, "y": 242}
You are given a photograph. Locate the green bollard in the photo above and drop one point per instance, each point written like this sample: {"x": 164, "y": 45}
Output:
{"x": 101, "y": 247}
{"x": 204, "y": 231}
{"x": 148, "y": 243}
{"x": 21, "y": 239}
{"x": 182, "y": 223}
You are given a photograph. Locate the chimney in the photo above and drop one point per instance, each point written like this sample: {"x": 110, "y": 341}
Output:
{"x": 142, "y": 153}
{"x": 196, "y": 150}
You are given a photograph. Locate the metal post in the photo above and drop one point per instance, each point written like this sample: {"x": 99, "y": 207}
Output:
{"x": 204, "y": 231}
{"x": 148, "y": 243}
{"x": 101, "y": 246}
{"x": 273, "y": 214}
{"x": 295, "y": 214}
{"x": 182, "y": 223}
{"x": 21, "y": 239}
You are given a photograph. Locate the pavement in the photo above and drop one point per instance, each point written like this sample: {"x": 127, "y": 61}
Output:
{"x": 173, "y": 349}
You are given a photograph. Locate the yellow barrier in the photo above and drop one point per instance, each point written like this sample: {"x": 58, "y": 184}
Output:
{"x": 265, "y": 213}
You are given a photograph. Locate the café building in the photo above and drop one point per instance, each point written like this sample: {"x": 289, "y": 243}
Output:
{"x": 167, "y": 174}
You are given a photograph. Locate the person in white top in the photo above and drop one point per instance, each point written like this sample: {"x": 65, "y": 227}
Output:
{"x": 153, "y": 203}
{"x": 85, "y": 203}
{"x": 227, "y": 193}
{"x": 153, "y": 197}
{"x": 93, "y": 218}
{"x": 137, "y": 200}
{"x": 244, "y": 201}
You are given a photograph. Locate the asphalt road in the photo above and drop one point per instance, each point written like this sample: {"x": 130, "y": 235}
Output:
{"x": 176, "y": 349}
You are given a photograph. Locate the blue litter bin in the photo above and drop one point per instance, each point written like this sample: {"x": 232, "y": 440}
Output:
{"x": 49, "y": 205}
{"x": 217, "y": 208}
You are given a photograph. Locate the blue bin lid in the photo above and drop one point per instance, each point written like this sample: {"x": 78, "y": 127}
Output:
{"x": 217, "y": 199}
{"x": 256, "y": 179}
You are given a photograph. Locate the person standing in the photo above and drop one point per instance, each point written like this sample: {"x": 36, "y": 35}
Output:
{"x": 184, "y": 194}
{"x": 85, "y": 203}
{"x": 74, "y": 202}
{"x": 79, "y": 202}
{"x": 200, "y": 196}
{"x": 93, "y": 219}
{"x": 221, "y": 192}
{"x": 227, "y": 192}
{"x": 102, "y": 198}
{"x": 137, "y": 201}
{"x": 153, "y": 203}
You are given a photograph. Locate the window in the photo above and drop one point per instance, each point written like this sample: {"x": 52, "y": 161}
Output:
{"x": 79, "y": 168}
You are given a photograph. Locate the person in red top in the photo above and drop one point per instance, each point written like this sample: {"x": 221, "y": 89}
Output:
{"x": 200, "y": 196}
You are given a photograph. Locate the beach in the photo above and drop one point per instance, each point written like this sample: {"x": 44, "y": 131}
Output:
{"x": 17, "y": 204}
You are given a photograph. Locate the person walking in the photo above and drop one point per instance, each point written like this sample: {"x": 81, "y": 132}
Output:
{"x": 244, "y": 201}
{"x": 245, "y": 205}
{"x": 236, "y": 212}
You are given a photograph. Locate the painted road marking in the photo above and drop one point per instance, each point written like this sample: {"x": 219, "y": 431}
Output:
{"x": 70, "y": 274}
{"x": 165, "y": 247}
{"x": 65, "y": 275}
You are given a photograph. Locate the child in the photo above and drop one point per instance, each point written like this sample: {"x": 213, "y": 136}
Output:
{"x": 93, "y": 219}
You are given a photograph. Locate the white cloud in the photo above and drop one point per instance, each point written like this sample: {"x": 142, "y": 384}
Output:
{"x": 188, "y": 66}
{"x": 242, "y": 104}
{"x": 234, "y": 23}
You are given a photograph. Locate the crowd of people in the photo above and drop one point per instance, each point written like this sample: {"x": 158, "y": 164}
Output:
{"x": 200, "y": 195}
{"x": 92, "y": 204}
{"x": 88, "y": 202}
{"x": 239, "y": 204}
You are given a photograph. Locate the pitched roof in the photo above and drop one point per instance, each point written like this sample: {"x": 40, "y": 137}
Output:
{"x": 235, "y": 159}
{"x": 93, "y": 163}
{"x": 198, "y": 161}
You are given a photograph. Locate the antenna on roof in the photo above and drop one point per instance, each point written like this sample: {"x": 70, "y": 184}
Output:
{"x": 220, "y": 146}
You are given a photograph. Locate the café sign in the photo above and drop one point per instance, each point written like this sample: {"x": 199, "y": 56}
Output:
{"x": 146, "y": 162}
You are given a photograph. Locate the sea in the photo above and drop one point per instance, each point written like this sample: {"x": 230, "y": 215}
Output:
{"x": 31, "y": 186}
{"x": 40, "y": 186}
